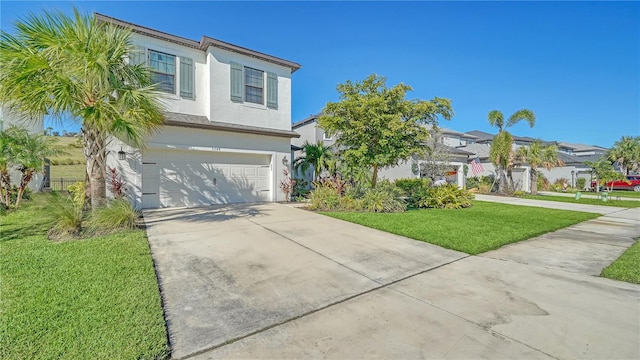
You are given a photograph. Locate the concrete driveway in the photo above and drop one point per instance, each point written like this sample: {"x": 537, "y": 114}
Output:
{"x": 271, "y": 281}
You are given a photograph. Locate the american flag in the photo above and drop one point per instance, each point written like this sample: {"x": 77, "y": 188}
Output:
{"x": 476, "y": 166}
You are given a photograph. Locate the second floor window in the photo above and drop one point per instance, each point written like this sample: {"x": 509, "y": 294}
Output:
{"x": 253, "y": 86}
{"x": 163, "y": 71}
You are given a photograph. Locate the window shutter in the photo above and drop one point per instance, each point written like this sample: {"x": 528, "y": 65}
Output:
{"x": 138, "y": 56}
{"x": 236, "y": 82}
{"x": 186, "y": 78}
{"x": 272, "y": 91}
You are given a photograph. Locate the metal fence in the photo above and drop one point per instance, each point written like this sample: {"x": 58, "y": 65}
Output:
{"x": 59, "y": 184}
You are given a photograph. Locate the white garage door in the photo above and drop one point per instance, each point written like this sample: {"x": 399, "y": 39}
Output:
{"x": 199, "y": 178}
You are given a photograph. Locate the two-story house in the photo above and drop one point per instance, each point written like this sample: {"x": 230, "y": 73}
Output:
{"x": 227, "y": 133}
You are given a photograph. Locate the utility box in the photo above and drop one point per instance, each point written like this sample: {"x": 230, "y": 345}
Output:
{"x": 604, "y": 196}
{"x": 578, "y": 195}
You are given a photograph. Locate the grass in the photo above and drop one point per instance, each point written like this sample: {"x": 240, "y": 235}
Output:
{"x": 87, "y": 299}
{"x": 483, "y": 227}
{"x": 621, "y": 193}
{"x": 587, "y": 201}
{"x": 627, "y": 267}
{"x": 72, "y": 154}
{"x": 68, "y": 171}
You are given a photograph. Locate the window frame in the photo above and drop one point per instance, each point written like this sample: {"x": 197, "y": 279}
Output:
{"x": 175, "y": 70}
{"x": 246, "y": 86}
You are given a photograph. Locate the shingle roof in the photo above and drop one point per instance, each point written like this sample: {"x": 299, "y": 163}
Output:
{"x": 302, "y": 122}
{"x": 203, "y": 44}
{"x": 202, "y": 122}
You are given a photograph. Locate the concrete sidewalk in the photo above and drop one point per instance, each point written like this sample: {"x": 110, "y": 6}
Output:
{"x": 587, "y": 195}
{"x": 271, "y": 281}
{"x": 598, "y": 209}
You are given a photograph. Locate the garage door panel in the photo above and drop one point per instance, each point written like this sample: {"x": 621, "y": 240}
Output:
{"x": 193, "y": 178}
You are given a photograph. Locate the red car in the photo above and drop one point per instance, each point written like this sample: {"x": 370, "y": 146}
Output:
{"x": 632, "y": 183}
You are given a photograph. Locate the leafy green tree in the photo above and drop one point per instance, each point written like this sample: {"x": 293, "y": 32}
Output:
{"x": 501, "y": 152}
{"x": 317, "y": 156}
{"x": 538, "y": 156}
{"x": 57, "y": 64}
{"x": 626, "y": 152}
{"x": 29, "y": 153}
{"x": 377, "y": 126}
{"x": 604, "y": 171}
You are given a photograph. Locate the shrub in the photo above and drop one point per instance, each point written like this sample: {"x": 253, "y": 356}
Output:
{"x": 472, "y": 182}
{"x": 118, "y": 215}
{"x": 325, "y": 196}
{"x": 78, "y": 193}
{"x": 413, "y": 189}
{"x": 543, "y": 182}
{"x": 518, "y": 193}
{"x": 383, "y": 199}
{"x": 300, "y": 188}
{"x": 581, "y": 183}
{"x": 116, "y": 185}
{"x": 287, "y": 184}
{"x": 67, "y": 217}
{"x": 446, "y": 196}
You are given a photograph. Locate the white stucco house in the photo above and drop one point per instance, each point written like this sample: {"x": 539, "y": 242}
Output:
{"x": 227, "y": 134}
{"x": 10, "y": 118}
{"x": 447, "y": 141}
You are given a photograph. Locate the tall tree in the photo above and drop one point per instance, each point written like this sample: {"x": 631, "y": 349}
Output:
{"x": 377, "y": 126}
{"x": 538, "y": 156}
{"x": 317, "y": 157}
{"x": 57, "y": 64}
{"x": 501, "y": 152}
{"x": 626, "y": 152}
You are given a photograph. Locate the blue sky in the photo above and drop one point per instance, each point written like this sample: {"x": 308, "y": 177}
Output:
{"x": 575, "y": 64}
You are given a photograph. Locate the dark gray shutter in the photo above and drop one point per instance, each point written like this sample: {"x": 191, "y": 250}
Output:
{"x": 138, "y": 56}
{"x": 272, "y": 90}
{"x": 236, "y": 82}
{"x": 186, "y": 78}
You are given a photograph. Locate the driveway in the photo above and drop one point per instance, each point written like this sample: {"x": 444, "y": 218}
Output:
{"x": 271, "y": 281}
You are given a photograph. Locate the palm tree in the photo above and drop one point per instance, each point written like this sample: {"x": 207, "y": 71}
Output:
{"x": 501, "y": 152}
{"x": 539, "y": 156}
{"x": 626, "y": 152}
{"x": 6, "y": 156}
{"x": 317, "y": 156}
{"x": 57, "y": 64}
{"x": 29, "y": 153}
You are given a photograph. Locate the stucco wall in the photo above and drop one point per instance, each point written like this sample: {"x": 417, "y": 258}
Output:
{"x": 224, "y": 110}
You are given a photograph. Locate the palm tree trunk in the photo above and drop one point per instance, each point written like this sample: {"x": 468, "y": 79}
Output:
{"x": 501, "y": 180}
{"x": 24, "y": 182}
{"x": 5, "y": 185}
{"x": 95, "y": 153}
{"x": 534, "y": 181}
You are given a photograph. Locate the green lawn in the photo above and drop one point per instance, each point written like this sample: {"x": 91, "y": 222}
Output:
{"x": 86, "y": 299}
{"x": 68, "y": 171}
{"x": 483, "y": 227}
{"x": 627, "y": 267}
{"x": 587, "y": 201}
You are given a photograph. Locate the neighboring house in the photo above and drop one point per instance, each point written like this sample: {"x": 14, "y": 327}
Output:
{"x": 456, "y": 159}
{"x": 227, "y": 134}
{"x": 34, "y": 126}
{"x": 574, "y": 157}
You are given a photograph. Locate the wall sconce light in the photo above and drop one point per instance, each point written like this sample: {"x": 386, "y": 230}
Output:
{"x": 285, "y": 161}
{"x": 121, "y": 154}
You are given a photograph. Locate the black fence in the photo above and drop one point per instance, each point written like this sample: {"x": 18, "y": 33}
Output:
{"x": 59, "y": 184}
